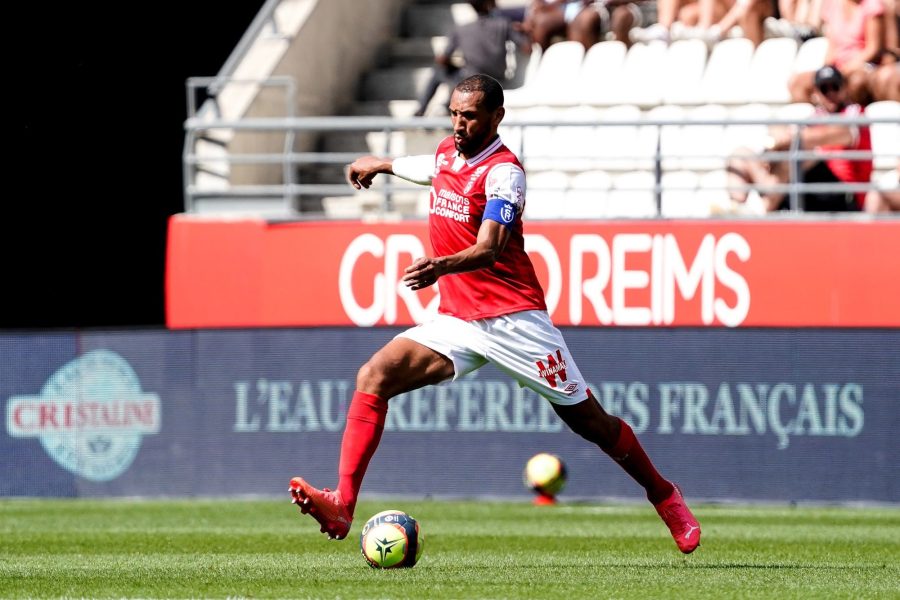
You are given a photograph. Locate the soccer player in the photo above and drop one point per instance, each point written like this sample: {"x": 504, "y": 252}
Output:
{"x": 491, "y": 310}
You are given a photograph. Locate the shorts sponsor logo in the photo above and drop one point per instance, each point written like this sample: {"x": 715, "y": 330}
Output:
{"x": 556, "y": 367}
{"x": 90, "y": 416}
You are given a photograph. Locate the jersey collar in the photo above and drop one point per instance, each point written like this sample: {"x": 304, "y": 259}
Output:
{"x": 491, "y": 148}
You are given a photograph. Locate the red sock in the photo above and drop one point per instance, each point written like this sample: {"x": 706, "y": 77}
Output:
{"x": 365, "y": 422}
{"x": 630, "y": 455}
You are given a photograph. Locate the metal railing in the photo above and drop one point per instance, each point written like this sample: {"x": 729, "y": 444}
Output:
{"x": 290, "y": 189}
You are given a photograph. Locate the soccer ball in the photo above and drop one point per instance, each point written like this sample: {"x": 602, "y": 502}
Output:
{"x": 545, "y": 474}
{"x": 391, "y": 539}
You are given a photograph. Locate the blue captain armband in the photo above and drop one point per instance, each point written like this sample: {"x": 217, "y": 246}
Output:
{"x": 501, "y": 210}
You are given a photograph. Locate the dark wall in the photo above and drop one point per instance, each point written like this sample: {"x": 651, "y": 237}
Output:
{"x": 95, "y": 131}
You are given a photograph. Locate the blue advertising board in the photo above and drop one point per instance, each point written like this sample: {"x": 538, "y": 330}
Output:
{"x": 749, "y": 414}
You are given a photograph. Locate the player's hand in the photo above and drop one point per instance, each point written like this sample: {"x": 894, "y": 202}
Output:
{"x": 421, "y": 274}
{"x": 363, "y": 170}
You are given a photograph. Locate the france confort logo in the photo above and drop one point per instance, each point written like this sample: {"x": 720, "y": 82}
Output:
{"x": 90, "y": 416}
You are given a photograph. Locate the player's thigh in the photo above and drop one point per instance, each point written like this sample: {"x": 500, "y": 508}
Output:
{"x": 402, "y": 365}
{"x": 530, "y": 349}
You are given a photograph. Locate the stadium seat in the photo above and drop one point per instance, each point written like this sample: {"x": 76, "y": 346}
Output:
{"x": 587, "y": 197}
{"x": 668, "y": 136}
{"x": 575, "y": 147}
{"x": 811, "y": 55}
{"x": 685, "y": 62}
{"x": 639, "y": 81}
{"x": 752, "y": 137}
{"x": 726, "y": 77}
{"x": 713, "y": 193}
{"x": 701, "y": 147}
{"x": 624, "y": 147}
{"x": 770, "y": 69}
{"x": 537, "y": 140}
{"x": 602, "y": 66}
{"x": 679, "y": 197}
{"x": 633, "y": 195}
{"x": 546, "y": 194}
{"x": 794, "y": 110}
{"x": 555, "y": 79}
{"x": 885, "y": 136}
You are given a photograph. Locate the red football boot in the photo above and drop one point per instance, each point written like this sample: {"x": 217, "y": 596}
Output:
{"x": 680, "y": 521}
{"x": 324, "y": 506}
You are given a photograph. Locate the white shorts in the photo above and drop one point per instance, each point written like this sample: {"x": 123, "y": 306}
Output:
{"x": 525, "y": 345}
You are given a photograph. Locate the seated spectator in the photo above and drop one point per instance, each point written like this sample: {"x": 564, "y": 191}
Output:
{"x": 831, "y": 99}
{"x": 585, "y": 21}
{"x": 884, "y": 82}
{"x": 678, "y": 19}
{"x": 855, "y": 31}
{"x": 482, "y": 45}
{"x": 749, "y": 15}
{"x": 797, "y": 19}
{"x": 886, "y": 198}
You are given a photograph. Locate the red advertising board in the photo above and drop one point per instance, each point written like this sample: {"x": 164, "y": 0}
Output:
{"x": 779, "y": 273}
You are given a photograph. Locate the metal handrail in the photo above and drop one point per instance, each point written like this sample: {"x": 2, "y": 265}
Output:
{"x": 387, "y": 125}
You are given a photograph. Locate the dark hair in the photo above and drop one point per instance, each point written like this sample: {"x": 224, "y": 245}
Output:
{"x": 490, "y": 87}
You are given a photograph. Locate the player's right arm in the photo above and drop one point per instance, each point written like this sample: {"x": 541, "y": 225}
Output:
{"x": 417, "y": 169}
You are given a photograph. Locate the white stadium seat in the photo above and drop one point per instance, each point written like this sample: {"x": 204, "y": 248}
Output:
{"x": 588, "y": 195}
{"x": 682, "y": 72}
{"x": 770, "y": 69}
{"x": 624, "y": 147}
{"x": 885, "y": 136}
{"x": 702, "y": 147}
{"x": 726, "y": 77}
{"x": 751, "y": 137}
{"x": 811, "y": 55}
{"x": 554, "y": 80}
{"x": 669, "y": 136}
{"x": 602, "y": 66}
{"x": 633, "y": 195}
{"x": 576, "y": 147}
{"x": 679, "y": 195}
{"x": 639, "y": 82}
{"x": 545, "y": 195}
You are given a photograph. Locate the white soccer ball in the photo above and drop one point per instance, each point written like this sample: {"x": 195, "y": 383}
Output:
{"x": 391, "y": 539}
{"x": 545, "y": 474}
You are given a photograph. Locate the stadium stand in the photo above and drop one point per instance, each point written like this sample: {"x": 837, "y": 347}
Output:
{"x": 616, "y": 118}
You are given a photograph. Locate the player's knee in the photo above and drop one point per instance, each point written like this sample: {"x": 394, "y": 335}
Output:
{"x": 371, "y": 377}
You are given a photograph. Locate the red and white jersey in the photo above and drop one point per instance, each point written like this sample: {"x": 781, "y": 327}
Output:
{"x": 460, "y": 189}
{"x": 851, "y": 170}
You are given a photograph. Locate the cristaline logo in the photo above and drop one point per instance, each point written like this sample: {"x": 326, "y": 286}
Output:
{"x": 89, "y": 416}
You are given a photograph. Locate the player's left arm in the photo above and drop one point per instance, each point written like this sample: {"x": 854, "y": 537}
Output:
{"x": 505, "y": 190}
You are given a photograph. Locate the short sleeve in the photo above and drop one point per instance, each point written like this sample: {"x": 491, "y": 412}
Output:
{"x": 506, "y": 181}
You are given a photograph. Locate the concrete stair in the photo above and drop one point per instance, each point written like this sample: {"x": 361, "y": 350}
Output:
{"x": 391, "y": 89}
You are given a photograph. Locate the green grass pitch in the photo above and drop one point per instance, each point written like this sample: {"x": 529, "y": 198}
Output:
{"x": 265, "y": 549}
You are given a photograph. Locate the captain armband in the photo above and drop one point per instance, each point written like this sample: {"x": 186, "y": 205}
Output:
{"x": 501, "y": 210}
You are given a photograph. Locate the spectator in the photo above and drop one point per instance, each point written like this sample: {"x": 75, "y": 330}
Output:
{"x": 750, "y": 15}
{"x": 798, "y": 19}
{"x": 684, "y": 18}
{"x": 884, "y": 82}
{"x": 855, "y": 30}
{"x": 886, "y": 198}
{"x": 585, "y": 21}
{"x": 482, "y": 45}
{"x": 831, "y": 99}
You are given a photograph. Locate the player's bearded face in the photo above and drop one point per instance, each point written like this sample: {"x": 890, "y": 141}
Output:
{"x": 474, "y": 127}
